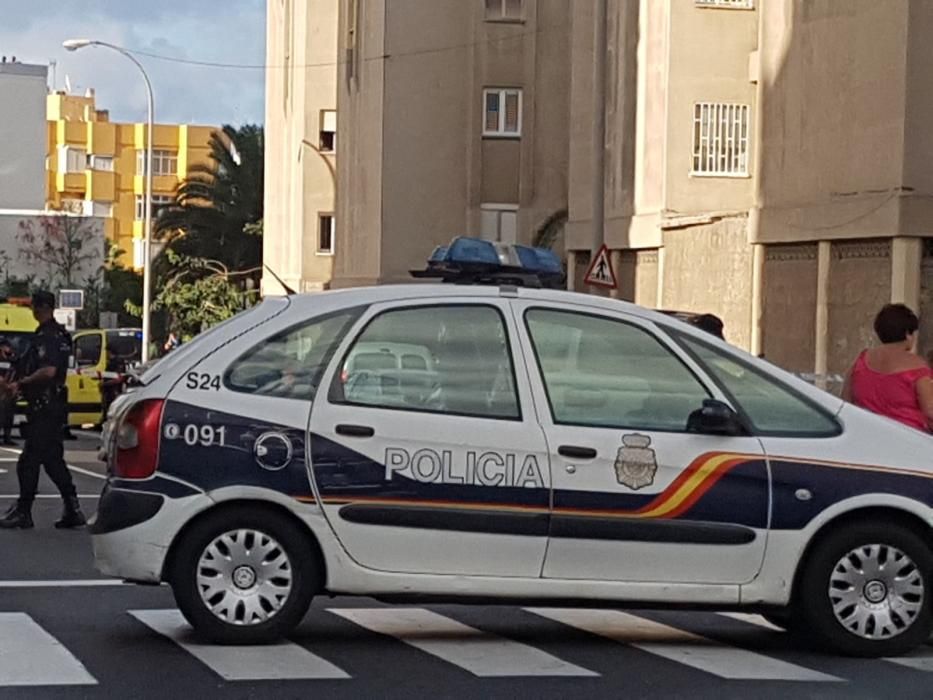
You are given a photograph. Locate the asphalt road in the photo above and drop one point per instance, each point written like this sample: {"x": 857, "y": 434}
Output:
{"x": 67, "y": 633}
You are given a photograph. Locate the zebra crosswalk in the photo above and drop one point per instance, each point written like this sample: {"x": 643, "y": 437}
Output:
{"x": 545, "y": 643}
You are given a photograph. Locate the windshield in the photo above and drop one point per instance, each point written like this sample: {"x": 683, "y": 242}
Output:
{"x": 125, "y": 345}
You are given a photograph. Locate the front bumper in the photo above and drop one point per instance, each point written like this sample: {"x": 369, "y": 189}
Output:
{"x": 131, "y": 533}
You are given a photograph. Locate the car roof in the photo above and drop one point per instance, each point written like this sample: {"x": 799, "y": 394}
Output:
{"x": 307, "y": 302}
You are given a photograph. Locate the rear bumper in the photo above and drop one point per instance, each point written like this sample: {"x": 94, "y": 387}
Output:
{"x": 132, "y": 533}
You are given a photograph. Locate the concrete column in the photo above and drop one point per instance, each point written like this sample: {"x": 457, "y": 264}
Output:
{"x": 758, "y": 272}
{"x": 615, "y": 259}
{"x": 906, "y": 260}
{"x": 659, "y": 301}
{"x": 821, "y": 359}
{"x": 572, "y": 270}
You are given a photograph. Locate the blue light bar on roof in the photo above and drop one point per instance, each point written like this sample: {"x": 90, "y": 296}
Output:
{"x": 478, "y": 261}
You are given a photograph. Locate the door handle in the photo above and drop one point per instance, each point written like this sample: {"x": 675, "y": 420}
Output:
{"x": 575, "y": 452}
{"x": 355, "y": 430}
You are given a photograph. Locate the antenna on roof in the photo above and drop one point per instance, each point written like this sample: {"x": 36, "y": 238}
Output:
{"x": 288, "y": 290}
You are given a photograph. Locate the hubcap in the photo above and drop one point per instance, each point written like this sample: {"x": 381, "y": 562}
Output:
{"x": 876, "y": 591}
{"x": 244, "y": 577}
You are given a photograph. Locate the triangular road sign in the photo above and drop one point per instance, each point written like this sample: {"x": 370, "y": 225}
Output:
{"x": 600, "y": 273}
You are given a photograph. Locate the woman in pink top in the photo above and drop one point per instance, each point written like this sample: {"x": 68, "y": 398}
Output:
{"x": 891, "y": 379}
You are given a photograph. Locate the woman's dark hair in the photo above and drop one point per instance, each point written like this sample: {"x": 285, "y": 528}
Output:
{"x": 895, "y": 322}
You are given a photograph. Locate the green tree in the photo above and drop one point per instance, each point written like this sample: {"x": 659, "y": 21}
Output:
{"x": 200, "y": 293}
{"x": 211, "y": 262}
{"x": 218, "y": 202}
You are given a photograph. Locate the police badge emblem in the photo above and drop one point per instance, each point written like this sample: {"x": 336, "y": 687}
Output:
{"x": 636, "y": 463}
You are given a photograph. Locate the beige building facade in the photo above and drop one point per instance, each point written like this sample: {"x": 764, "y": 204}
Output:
{"x": 764, "y": 160}
{"x": 300, "y": 140}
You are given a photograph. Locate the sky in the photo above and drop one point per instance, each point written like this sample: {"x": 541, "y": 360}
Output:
{"x": 218, "y": 31}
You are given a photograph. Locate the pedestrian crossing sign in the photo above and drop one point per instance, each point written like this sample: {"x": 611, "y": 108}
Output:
{"x": 600, "y": 273}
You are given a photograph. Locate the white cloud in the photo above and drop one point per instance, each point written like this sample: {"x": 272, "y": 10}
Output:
{"x": 231, "y": 31}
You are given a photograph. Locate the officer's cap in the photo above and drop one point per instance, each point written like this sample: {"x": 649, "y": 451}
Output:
{"x": 43, "y": 299}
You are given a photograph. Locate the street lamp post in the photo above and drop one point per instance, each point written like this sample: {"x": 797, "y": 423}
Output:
{"x": 74, "y": 45}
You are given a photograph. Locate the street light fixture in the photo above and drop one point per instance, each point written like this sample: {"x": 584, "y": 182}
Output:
{"x": 75, "y": 45}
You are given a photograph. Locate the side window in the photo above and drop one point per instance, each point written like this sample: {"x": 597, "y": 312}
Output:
{"x": 604, "y": 373}
{"x": 438, "y": 359}
{"x": 290, "y": 364}
{"x": 87, "y": 350}
{"x": 771, "y": 407}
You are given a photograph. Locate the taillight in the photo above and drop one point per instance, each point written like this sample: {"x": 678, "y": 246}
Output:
{"x": 137, "y": 440}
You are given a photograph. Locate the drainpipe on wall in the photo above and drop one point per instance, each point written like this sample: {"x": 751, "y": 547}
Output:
{"x": 821, "y": 359}
{"x": 601, "y": 18}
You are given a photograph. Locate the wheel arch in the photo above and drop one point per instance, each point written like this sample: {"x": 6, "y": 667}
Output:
{"x": 889, "y": 514}
{"x": 314, "y": 547}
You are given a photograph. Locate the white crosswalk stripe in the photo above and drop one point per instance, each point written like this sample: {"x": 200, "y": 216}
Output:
{"x": 918, "y": 660}
{"x": 282, "y": 661}
{"x": 31, "y": 656}
{"x": 681, "y": 646}
{"x": 473, "y": 650}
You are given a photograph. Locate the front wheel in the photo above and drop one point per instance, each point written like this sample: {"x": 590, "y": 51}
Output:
{"x": 244, "y": 576}
{"x": 866, "y": 590}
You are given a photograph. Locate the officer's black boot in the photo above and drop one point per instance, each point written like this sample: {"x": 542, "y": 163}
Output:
{"x": 19, "y": 517}
{"x": 71, "y": 515}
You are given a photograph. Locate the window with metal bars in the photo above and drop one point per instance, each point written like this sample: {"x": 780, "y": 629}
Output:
{"x": 728, "y": 4}
{"x": 502, "y": 112}
{"x": 720, "y": 139}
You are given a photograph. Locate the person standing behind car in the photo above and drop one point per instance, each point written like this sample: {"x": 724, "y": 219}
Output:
{"x": 892, "y": 380}
{"x": 41, "y": 380}
{"x": 7, "y": 399}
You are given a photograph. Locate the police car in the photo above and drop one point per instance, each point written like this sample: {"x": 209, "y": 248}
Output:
{"x": 514, "y": 444}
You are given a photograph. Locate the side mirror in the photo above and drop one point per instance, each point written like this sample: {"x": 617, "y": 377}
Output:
{"x": 715, "y": 418}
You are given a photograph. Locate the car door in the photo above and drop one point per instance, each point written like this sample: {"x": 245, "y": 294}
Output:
{"x": 636, "y": 497}
{"x": 435, "y": 466}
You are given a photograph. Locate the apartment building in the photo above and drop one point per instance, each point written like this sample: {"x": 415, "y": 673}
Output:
{"x": 764, "y": 160}
{"x": 301, "y": 144}
{"x": 97, "y": 167}
{"x": 22, "y": 134}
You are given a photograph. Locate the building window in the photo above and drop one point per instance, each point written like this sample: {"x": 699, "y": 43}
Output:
{"x": 102, "y": 163}
{"x": 720, "y": 139}
{"x": 71, "y": 160}
{"x": 729, "y": 4}
{"x": 498, "y": 222}
{"x": 503, "y": 10}
{"x": 328, "y": 141}
{"x": 502, "y": 112}
{"x": 325, "y": 234}
{"x": 163, "y": 162}
{"x": 158, "y": 202}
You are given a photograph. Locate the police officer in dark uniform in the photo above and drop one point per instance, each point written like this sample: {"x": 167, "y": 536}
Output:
{"x": 41, "y": 381}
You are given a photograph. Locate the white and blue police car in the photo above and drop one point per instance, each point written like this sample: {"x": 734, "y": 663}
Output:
{"x": 501, "y": 442}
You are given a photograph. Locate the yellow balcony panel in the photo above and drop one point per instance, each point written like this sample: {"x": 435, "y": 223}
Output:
{"x": 71, "y": 182}
{"x": 101, "y": 185}
{"x": 101, "y": 138}
{"x": 164, "y": 136}
{"x": 161, "y": 184}
{"x": 72, "y": 133}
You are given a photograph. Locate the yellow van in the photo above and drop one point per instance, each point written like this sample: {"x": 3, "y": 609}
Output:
{"x": 100, "y": 356}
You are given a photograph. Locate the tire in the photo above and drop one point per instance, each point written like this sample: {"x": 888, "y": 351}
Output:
{"x": 249, "y": 607}
{"x": 847, "y": 597}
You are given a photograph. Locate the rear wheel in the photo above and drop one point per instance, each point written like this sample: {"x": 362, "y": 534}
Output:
{"x": 244, "y": 576}
{"x": 866, "y": 590}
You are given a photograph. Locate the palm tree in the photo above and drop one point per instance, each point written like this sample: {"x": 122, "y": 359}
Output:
{"x": 218, "y": 204}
